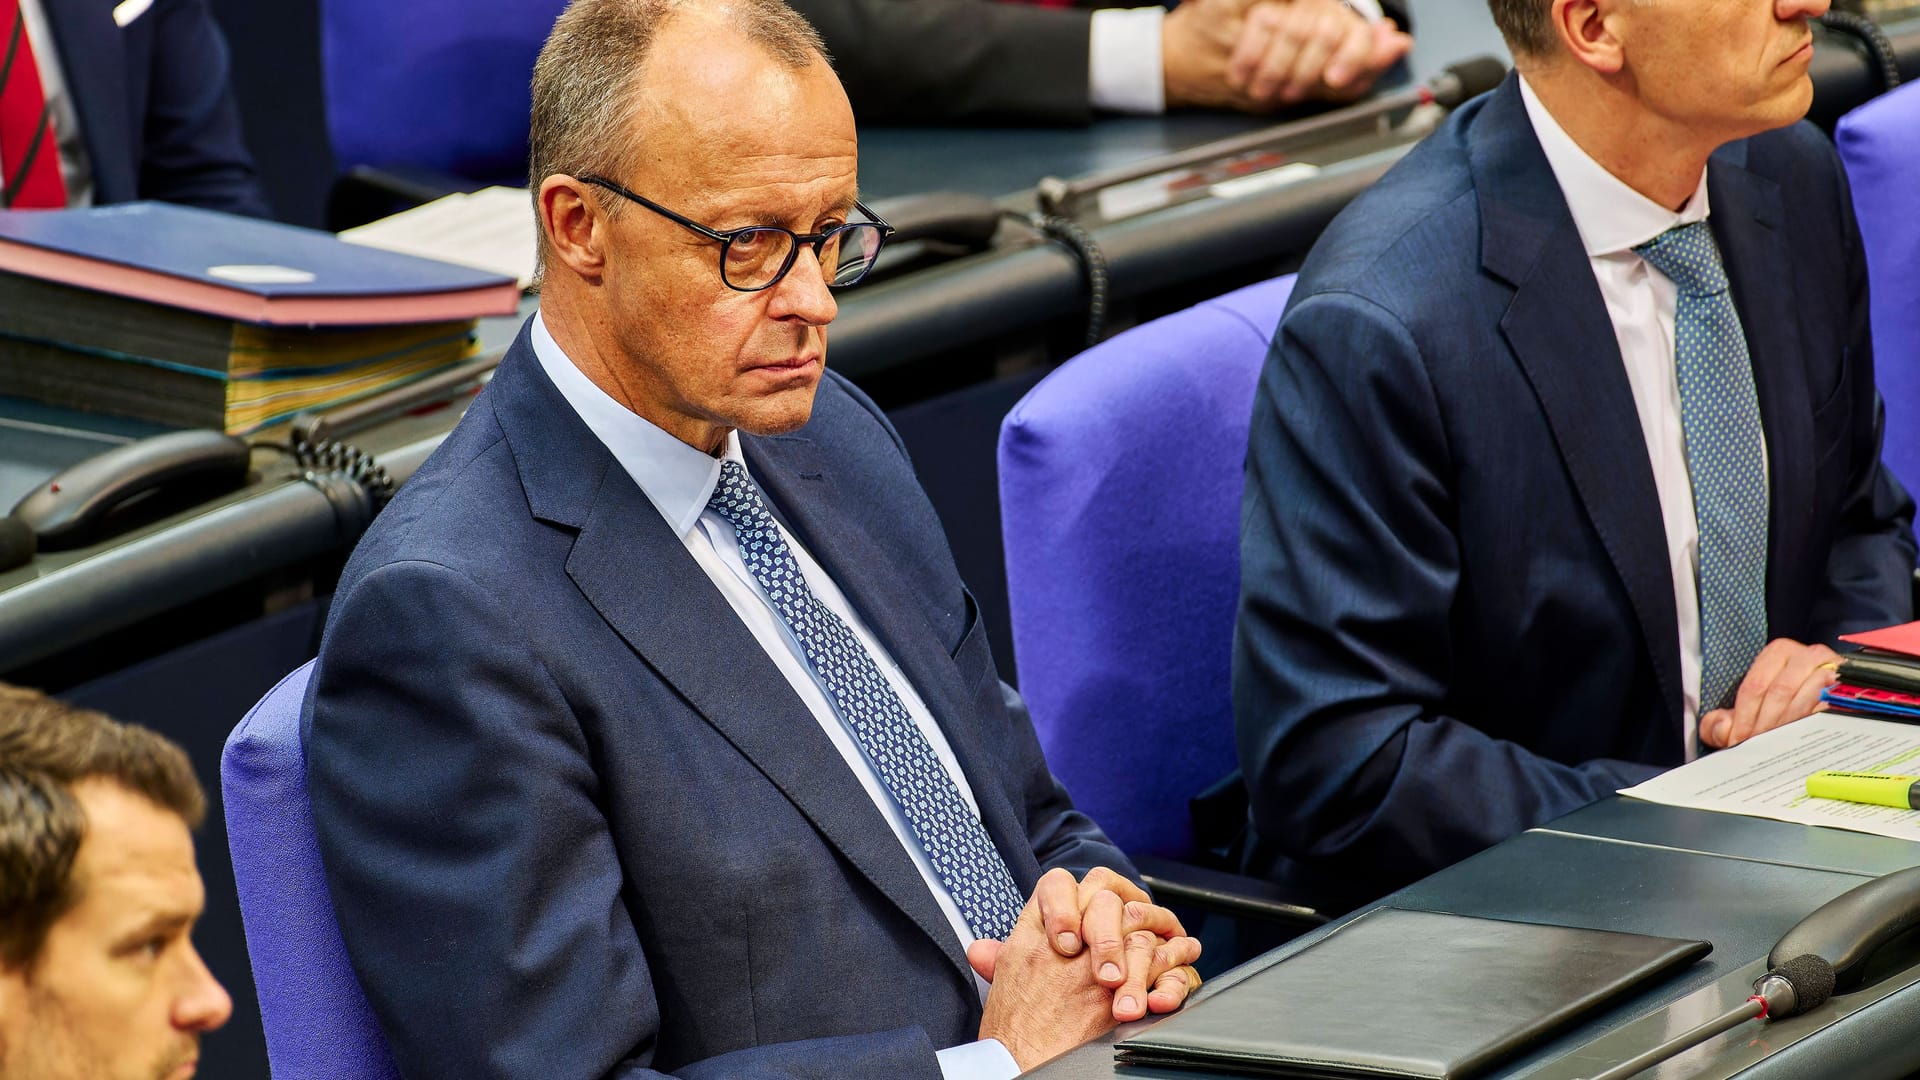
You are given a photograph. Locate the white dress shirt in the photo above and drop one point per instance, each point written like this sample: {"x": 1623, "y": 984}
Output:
{"x": 678, "y": 480}
{"x": 1124, "y": 70}
{"x": 76, "y": 170}
{"x": 1614, "y": 218}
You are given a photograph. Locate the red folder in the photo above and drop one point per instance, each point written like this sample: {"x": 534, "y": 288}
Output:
{"x": 1903, "y": 639}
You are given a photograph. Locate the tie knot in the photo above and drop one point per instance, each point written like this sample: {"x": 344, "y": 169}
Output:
{"x": 737, "y": 499}
{"x": 1687, "y": 255}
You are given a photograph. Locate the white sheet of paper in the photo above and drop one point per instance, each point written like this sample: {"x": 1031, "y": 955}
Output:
{"x": 1766, "y": 776}
{"x": 490, "y": 229}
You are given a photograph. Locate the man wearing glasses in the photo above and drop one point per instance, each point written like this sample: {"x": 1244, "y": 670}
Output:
{"x": 654, "y": 731}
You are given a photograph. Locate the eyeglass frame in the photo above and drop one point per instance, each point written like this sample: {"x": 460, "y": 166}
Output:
{"x": 726, "y": 237}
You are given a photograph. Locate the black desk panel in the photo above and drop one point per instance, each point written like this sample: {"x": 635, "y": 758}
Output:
{"x": 1630, "y": 821}
{"x": 1742, "y": 906}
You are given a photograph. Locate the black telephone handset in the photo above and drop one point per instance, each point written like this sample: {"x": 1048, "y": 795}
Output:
{"x": 131, "y": 484}
{"x": 954, "y": 218}
{"x": 1848, "y": 930}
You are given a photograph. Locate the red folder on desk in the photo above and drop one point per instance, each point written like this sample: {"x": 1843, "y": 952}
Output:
{"x": 1903, "y": 639}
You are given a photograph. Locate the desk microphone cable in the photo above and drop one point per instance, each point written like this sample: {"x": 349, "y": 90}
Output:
{"x": 1086, "y": 251}
{"x": 1880, "y": 54}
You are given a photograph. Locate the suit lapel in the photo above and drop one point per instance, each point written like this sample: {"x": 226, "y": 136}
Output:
{"x": 639, "y": 576}
{"x": 1558, "y": 327}
{"x": 93, "y": 56}
{"x": 820, "y": 513}
{"x": 1747, "y": 216}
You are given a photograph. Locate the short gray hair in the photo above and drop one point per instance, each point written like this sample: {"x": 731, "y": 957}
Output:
{"x": 584, "y": 79}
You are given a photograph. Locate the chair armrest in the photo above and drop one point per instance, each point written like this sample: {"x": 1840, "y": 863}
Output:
{"x": 1229, "y": 894}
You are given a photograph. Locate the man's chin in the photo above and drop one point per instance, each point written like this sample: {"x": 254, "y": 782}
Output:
{"x": 779, "y": 414}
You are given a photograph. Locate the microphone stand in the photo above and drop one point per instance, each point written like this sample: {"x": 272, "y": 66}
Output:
{"x": 1449, "y": 88}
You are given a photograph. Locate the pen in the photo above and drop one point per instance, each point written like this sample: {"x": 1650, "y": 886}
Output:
{"x": 1880, "y": 789}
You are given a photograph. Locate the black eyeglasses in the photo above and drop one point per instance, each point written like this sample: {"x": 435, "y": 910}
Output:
{"x": 758, "y": 256}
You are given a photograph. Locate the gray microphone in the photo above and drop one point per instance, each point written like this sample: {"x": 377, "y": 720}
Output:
{"x": 1466, "y": 79}
{"x": 1802, "y": 983}
{"x": 1827, "y": 951}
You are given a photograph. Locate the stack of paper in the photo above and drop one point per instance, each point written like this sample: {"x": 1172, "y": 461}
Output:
{"x": 1883, "y": 678}
{"x": 1766, "y": 776}
{"x": 490, "y": 229}
{"x": 194, "y": 318}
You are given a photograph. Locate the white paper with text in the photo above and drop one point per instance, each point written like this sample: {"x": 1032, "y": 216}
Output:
{"x": 1766, "y": 776}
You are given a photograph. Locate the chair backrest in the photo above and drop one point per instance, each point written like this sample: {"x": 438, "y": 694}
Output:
{"x": 1880, "y": 144}
{"x": 1120, "y": 479}
{"x": 437, "y": 84}
{"x": 317, "y": 1019}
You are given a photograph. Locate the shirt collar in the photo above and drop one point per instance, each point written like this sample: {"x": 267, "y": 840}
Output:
{"x": 675, "y": 477}
{"x": 1611, "y": 216}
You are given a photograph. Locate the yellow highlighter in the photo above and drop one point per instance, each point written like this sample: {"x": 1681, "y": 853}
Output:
{"x": 1879, "y": 789}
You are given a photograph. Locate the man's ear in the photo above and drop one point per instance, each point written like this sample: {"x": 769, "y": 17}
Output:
{"x": 1591, "y": 32}
{"x": 574, "y": 224}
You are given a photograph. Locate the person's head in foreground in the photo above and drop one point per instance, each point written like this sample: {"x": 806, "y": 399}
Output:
{"x": 99, "y": 979}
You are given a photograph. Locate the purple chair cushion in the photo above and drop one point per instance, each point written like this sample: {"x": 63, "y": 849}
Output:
{"x": 1880, "y": 144}
{"x": 317, "y": 1019}
{"x": 435, "y": 84}
{"x": 1120, "y": 479}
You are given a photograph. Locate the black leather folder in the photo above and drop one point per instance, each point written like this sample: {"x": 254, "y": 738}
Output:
{"x": 1416, "y": 994}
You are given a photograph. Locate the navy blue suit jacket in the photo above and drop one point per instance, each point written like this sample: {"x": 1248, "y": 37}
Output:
{"x": 575, "y": 821}
{"x": 156, "y": 113}
{"x": 1457, "y": 616}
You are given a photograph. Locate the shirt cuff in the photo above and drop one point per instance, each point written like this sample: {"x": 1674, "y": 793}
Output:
{"x": 1123, "y": 60}
{"x": 987, "y": 1059}
{"x": 1369, "y": 10}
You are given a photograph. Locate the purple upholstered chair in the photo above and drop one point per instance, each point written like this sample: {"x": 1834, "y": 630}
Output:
{"x": 1880, "y": 144}
{"x": 317, "y": 1020}
{"x": 438, "y": 85}
{"x": 1120, "y": 479}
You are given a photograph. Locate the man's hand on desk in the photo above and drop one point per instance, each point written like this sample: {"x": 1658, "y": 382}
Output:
{"x": 1260, "y": 55}
{"x": 1783, "y": 685}
{"x": 1043, "y": 1003}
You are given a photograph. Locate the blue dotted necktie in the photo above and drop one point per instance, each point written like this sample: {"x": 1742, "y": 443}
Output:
{"x": 955, "y": 841}
{"x": 1720, "y": 419}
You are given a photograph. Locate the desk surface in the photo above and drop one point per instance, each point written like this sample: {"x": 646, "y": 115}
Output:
{"x": 1689, "y": 874}
{"x": 1004, "y": 161}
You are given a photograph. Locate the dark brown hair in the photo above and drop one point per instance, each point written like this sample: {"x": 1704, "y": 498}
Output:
{"x": 46, "y": 746}
{"x": 1526, "y": 24}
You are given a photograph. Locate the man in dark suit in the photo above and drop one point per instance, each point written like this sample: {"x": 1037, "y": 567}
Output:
{"x": 653, "y": 730}
{"x": 1565, "y": 464}
{"x": 142, "y": 108}
{"x": 922, "y": 61}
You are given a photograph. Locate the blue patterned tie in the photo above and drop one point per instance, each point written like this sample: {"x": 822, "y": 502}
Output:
{"x": 955, "y": 841}
{"x": 1720, "y": 418}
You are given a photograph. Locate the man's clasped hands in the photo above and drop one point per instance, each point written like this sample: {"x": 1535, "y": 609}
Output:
{"x": 1257, "y": 55}
{"x": 1083, "y": 956}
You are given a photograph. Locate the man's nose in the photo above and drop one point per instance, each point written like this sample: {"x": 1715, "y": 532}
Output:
{"x": 803, "y": 293}
{"x": 203, "y": 1004}
{"x": 1786, "y": 10}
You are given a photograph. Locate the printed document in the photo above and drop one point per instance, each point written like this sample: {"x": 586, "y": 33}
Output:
{"x": 1766, "y": 776}
{"x": 490, "y": 229}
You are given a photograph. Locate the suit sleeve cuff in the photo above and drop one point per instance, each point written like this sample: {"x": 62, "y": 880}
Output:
{"x": 983, "y": 1060}
{"x": 1123, "y": 60}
